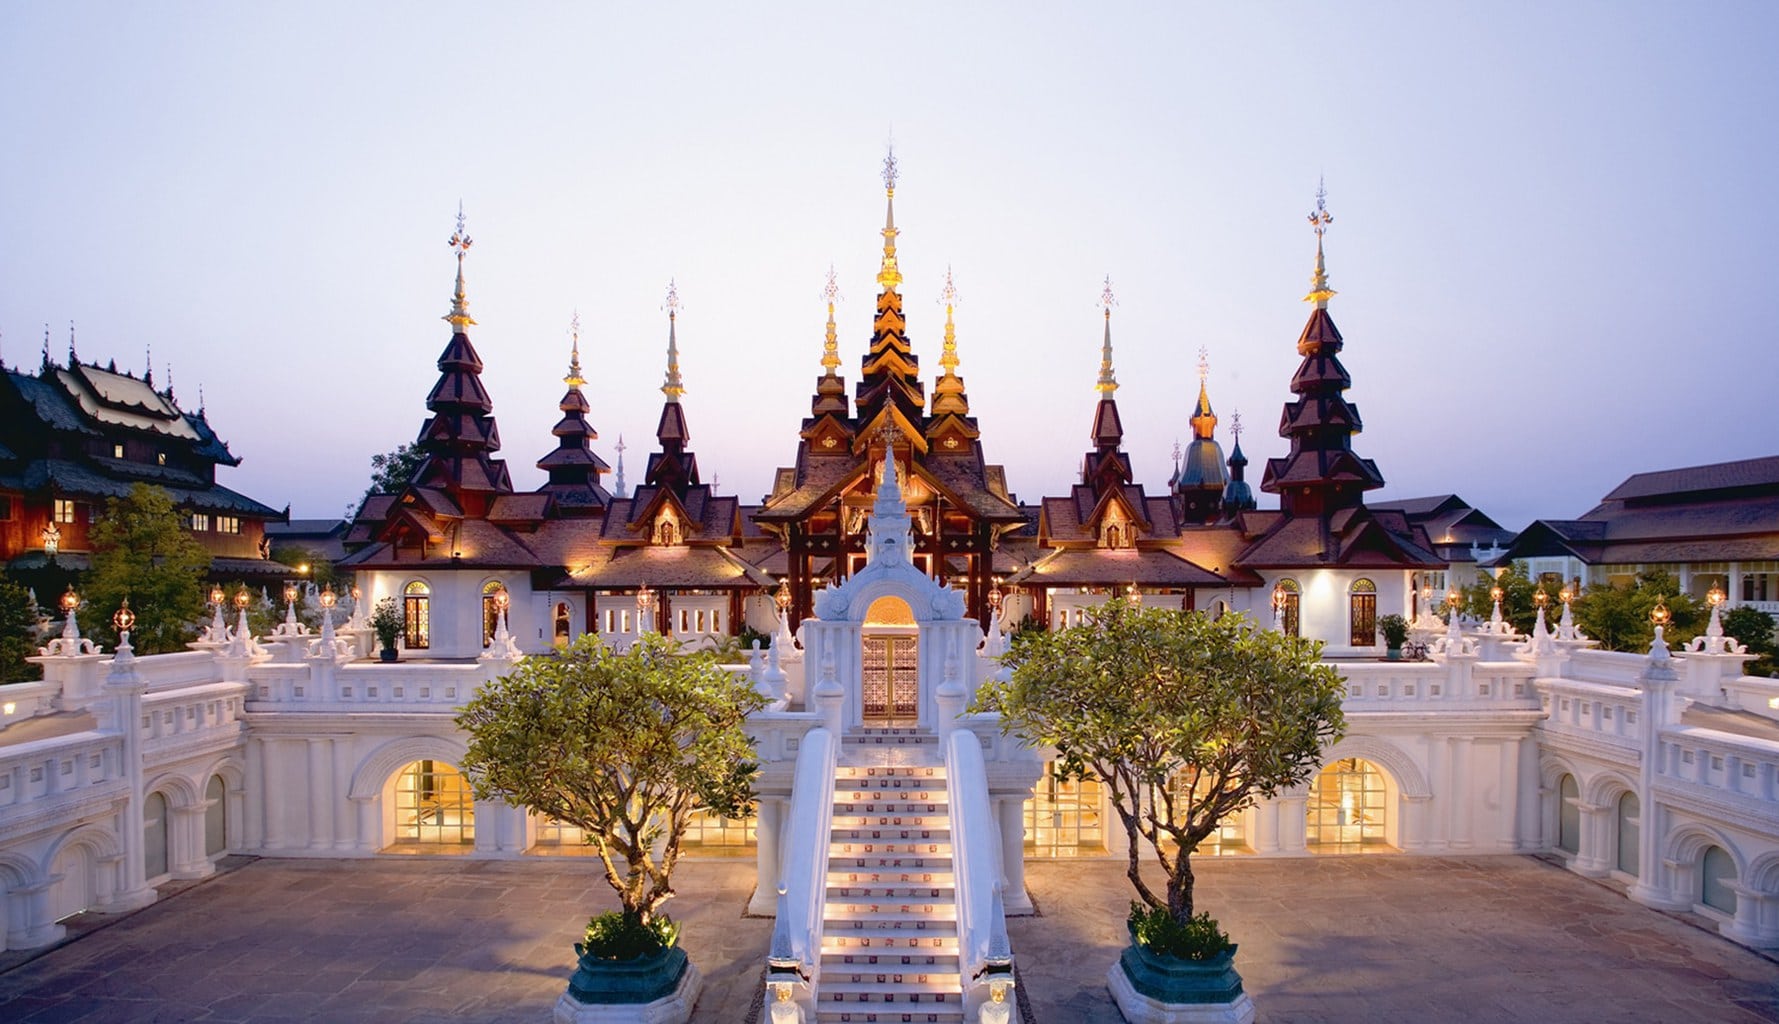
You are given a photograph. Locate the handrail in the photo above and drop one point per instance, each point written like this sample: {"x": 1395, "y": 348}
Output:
{"x": 803, "y": 864}
{"x": 976, "y": 868}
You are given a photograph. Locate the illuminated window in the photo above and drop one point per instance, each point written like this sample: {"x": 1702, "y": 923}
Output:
{"x": 417, "y": 615}
{"x": 490, "y": 610}
{"x": 1347, "y": 810}
{"x": 563, "y": 622}
{"x": 200, "y": 521}
{"x": 433, "y": 805}
{"x": 117, "y": 451}
{"x": 65, "y": 511}
{"x": 684, "y": 621}
{"x": 1064, "y": 819}
{"x": 228, "y": 524}
{"x": 710, "y": 834}
{"x": 160, "y": 458}
{"x": 1293, "y": 601}
{"x": 1362, "y": 613}
{"x": 1225, "y": 838}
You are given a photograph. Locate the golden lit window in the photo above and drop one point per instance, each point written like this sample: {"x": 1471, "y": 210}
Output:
{"x": 433, "y": 805}
{"x": 1064, "y": 819}
{"x": 417, "y": 615}
{"x": 1348, "y": 809}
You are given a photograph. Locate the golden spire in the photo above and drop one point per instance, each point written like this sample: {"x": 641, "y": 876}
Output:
{"x": 1204, "y": 421}
{"x": 948, "y": 299}
{"x": 1108, "y": 383}
{"x": 574, "y": 378}
{"x": 1320, "y": 218}
{"x": 888, "y": 276}
{"x": 672, "y": 387}
{"x": 459, "y": 317}
{"x": 831, "y": 346}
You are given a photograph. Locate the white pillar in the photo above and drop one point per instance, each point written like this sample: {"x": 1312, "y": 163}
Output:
{"x": 321, "y": 772}
{"x": 125, "y": 686}
{"x": 769, "y": 822}
{"x": 1010, "y": 813}
{"x": 31, "y": 925}
{"x": 1507, "y": 813}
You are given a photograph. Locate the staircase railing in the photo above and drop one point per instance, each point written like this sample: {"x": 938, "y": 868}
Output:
{"x": 983, "y": 959}
{"x": 803, "y": 872}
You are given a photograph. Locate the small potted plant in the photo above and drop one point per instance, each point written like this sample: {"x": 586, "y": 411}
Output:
{"x": 1395, "y": 630}
{"x": 386, "y": 622}
{"x": 1182, "y": 963}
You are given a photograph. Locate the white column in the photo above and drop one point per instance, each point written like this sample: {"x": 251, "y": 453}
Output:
{"x": 1590, "y": 859}
{"x": 1293, "y": 824}
{"x": 31, "y": 926}
{"x": 1010, "y": 813}
{"x": 1414, "y": 834}
{"x": 1265, "y": 837}
{"x": 125, "y": 687}
{"x": 185, "y": 835}
{"x": 766, "y": 856}
{"x": 345, "y": 832}
{"x": 321, "y": 784}
{"x": 1460, "y": 802}
{"x": 253, "y": 814}
{"x": 1507, "y": 814}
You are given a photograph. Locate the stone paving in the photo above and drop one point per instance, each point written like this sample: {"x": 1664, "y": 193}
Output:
{"x": 1322, "y": 940}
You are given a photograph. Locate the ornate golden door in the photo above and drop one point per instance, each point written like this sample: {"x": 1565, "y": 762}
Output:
{"x": 889, "y": 688}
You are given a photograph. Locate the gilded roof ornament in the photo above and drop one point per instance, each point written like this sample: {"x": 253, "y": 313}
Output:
{"x": 672, "y": 386}
{"x": 574, "y": 378}
{"x": 1320, "y": 218}
{"x": 1204, "y": 421}
{"x": 889, "y": 277}
{"x": 1108, "y": 381}
{"x": 831, "y": 344}
{"x": 460, "y": 241}
{"x": 948, "y": 299}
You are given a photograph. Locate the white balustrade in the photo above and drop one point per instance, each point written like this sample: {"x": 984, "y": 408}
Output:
{"x": 41, "y": 772}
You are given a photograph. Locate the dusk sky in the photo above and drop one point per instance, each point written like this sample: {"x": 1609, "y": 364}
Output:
{"x": 1553, "y": 239}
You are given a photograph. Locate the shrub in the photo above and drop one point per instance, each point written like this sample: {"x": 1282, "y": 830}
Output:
{"x": 1395, "y": 630}
{"x": 616, "y": 935}
{"x": 1196, "y": 938}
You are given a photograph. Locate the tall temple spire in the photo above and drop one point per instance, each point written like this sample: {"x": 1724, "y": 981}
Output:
{"x": 1108, "y": 382}
{"x": 831, "y": 344}
{"x": 1320, "y": 218}
{"x": 1322, "y": 474}
{"x": 460, "y": 437}
{"x": 948, "y": 390}
{"x": 1237, "y": 495}
{"x": 459, "y": 317}
{"x": 618, "y": 483}
{"x": 672, "y": 386}
{"x": 830, "y": 388}
{"x": 1198, "y": 486}
{"x": 574, "y": 469}
{"x": 888, "y": 276}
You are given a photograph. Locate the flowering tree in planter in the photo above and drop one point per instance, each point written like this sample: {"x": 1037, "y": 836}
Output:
{"x": 626, "y": 747}
{"x": 1185, "y": 721}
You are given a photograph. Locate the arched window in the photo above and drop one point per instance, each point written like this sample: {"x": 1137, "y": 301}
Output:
{"x": 154, "y": 836}
{"x": 564, "y": 622}
{"x": 1288, "y": 590}
{"x": 666, "y": 532}
{"x": 216, "y": 817}
{"x": 1568, "y": 815}
{"x": 1362, "y": 613}
{"x": 1630, "y": 813}
{"x": 1112, "y": 537}
{"x": 1348, "y": 807}
{"x": 433, "y": 805}
{"x": 417, "y": 615}
{"x": 490, "y": 610}
{"x": 1717, "y": 872}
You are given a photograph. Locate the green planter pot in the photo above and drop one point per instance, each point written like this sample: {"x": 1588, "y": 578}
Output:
{"x": 622, "y": 982}
{"x": 1393, "y": 653}
{"x": 1169, "y": 979}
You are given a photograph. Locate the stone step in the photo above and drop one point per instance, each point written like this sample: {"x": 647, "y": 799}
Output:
{"x": 897, "y": 928}
{"x": 890, "y": 892}
{"x": 888, "y": 1015}
{"x": 890, "y": 807}
{"x": 891, "y": 821}
{"x": 910, "y": 870}
{"x": 896, "y": 944}
{"x": 936, "y": 959}
{"x": 854, "y": 911}
{"x": 890, "y": 771}
{"x": 895, "y": 845}
{"x": 940, "y": 836}
{"x": 912, "y": 996}
{"x": 867, "y": 790}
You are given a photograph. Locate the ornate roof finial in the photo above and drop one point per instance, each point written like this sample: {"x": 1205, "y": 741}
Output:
{"x": 72, "y": 357}
{"x": 618, "y": 484}
{"x": 1204, "y": 421}
{"x": 574, "y": 378}
{"x": 1320, "y": 218}
{"x": 170, "y": 384}
{"x": 1108, "y": 382}
{"x": 1235, "y": 425}
{"x": 200, "y": 399}
{"x": 672, "y": 386}
{"x": 831, "y": 345}
{"x": 1204, "y": 366}
{"x": 459, "y": 317}
{"x": 888, "y": 276}
{"x": 148, "y": 364}
{"x": 948, "y": 299}
{"x": 1178, "y": 451}
{"x": 46, "y": 362}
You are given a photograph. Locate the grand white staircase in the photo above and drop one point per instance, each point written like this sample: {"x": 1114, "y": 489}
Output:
{"x": 889, "y": 934}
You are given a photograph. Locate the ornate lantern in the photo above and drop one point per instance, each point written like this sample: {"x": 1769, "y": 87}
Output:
{"x": 1659, "y": 615}
{"x": 242, "y": 599}
{"x": 70, "y": 600}
{"x": 123, "y": 619}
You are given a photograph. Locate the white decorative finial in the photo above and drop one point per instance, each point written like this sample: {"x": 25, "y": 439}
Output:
{"x": 1320, "y": 218}
{"x": 1235, "y": 425}
{"x": 831, "y": 344}
{"x": 672, "y": 386}
{"x": 889, "y": 276}
{"x": 1204, "y": 366}
{"x": 460, "y": 241}
{"x": 890, "y": 173}
{"x": 574, "y": 378}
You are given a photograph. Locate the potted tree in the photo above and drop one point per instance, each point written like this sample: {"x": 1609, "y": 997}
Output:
{"x": 626, "y": 747}
{"x": 1185, "y": 721}
{"x": 1395, "y": 630}
{"x": 386, "y": 622}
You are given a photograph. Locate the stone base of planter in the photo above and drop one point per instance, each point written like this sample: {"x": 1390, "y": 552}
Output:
{"x": 672, "y": 1008}
{"x": 1138, "y": 1008}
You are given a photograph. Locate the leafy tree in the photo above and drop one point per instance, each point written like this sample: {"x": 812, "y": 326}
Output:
{"x": 18, "y": 633}
{"x": 391, "y": 471}
{"x": 1753, "y": 627}
{"x": 1618, "y": 616}
{"x": 1185, "y": 720}
{"x": 624, "y": 746}
{"x": 319, "y": 570}
{"x": 142, "y": 551}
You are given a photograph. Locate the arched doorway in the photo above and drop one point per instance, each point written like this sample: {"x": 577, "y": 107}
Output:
{"x": 491, "y": 592}
{"x": 1717, "y": 874}
{"x": 1568, "y": 815}
{"x": 433, "y": 806}
{"x": 76, "y": 883}
{"x": 1348, "y": 810}
{"x": 154, "y": 836}
{"x": 1290, "y": 597}
{"x": 889, "y": 687}
{"x": 1630, "y": 820}
{"x": 417, "y": 615}
{"x": 216, "y": 818}
{"x": 1362, "y": 614}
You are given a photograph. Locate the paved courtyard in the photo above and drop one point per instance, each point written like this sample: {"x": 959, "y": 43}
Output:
{"x": 1322, "y": 940}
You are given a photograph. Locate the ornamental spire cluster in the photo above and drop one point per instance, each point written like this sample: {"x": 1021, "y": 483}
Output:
{"x": 672, "y": 386}
{"x": 459, "y": 317}
{"x": 948, "y": 390}
{"x": 1108, "y": 381}
{"x": 1320, "y": 218}
{"x": 888, "y": 276}
{"x": 831, "y": 344}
